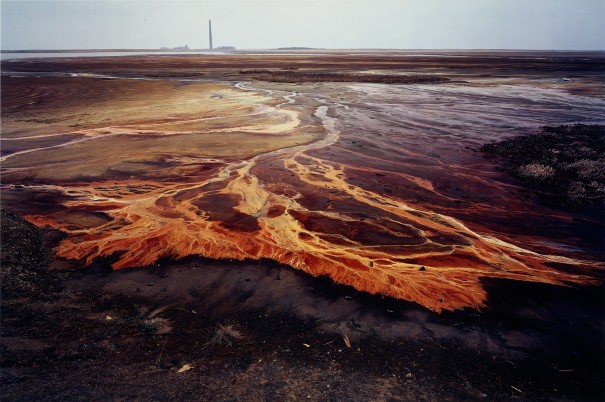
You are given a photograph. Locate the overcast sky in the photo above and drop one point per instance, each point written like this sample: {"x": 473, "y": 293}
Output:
{"x": 262, "y": 24}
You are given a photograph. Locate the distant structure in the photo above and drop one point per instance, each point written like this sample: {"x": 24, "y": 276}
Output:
{"x": 186, "y": 47}
{"x": 210, "y": 32}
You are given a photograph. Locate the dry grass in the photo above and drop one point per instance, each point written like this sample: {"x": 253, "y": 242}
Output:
{"x": 536, "y": 171}
{"x": 155, "y": 326}
{"x": 225, "y": 334}
{"x": 151, "y": 324}
{"x": 588, "y": 169}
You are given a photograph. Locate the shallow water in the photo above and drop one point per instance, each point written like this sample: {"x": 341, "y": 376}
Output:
{"x": 376, "y": 186}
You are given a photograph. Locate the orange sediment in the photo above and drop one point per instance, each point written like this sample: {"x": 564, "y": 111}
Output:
{"x": 251, "y": 185}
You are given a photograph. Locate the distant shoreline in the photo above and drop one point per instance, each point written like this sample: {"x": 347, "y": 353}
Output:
{"x": 6, "y": 55}
{"x": 296, "y": 49}
{"x": 101, "y": 50}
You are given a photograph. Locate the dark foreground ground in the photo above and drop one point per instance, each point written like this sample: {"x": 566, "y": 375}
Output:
{"x": 264, "y": 332}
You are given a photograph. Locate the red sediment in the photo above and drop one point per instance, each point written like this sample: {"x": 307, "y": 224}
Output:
{"x": 275, "y": 210}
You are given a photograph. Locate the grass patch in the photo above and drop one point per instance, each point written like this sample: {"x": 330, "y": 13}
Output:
{"x": 151, "y": 324}
{"x": 225, "y": 334}
{"x": 155, "y": 326}
{"x": 564, "y": 164}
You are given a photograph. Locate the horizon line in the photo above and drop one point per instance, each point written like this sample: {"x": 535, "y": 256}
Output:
{"x": 290, "y": 48}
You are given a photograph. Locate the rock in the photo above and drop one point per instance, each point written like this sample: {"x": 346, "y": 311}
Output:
{"x": 422, "y": 268}
{"x": 186, "y": 367}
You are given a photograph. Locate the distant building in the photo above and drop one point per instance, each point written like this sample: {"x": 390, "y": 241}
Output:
{"x": 225, "y": 48}
{"x": 175, "y": 48}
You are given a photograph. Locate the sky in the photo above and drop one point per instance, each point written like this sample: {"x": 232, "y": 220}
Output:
{"x": 330, "y": 24}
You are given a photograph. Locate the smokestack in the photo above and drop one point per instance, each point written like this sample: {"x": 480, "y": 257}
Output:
{"x": 210, "y": 32}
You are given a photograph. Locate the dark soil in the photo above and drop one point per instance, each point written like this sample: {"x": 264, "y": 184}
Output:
{"x": 65, "y": 336}
{"x": 300, "y": 77}
{"x": 564, "y": 164}
{"x": 492, "y": 63}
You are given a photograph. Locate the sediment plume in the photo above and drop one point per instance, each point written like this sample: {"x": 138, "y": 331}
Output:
{"x": 152, "y": 169}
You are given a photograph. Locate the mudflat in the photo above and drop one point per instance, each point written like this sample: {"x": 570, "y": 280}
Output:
{"x": 255, "y": 169}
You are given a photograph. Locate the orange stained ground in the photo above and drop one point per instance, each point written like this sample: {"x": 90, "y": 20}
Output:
{"x": 244, "y": 171}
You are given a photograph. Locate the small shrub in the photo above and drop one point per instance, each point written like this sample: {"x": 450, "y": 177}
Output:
{"x": 225, "y": 334}
{"x": 536, "y": 171}
{"x": 588, "y": 169}
{"x": 155, "y": 326}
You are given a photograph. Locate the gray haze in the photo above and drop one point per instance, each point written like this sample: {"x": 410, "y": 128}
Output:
{"x": 262, "y": 24}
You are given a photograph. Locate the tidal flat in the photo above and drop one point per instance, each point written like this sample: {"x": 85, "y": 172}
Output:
{"x": 302, "y": 203}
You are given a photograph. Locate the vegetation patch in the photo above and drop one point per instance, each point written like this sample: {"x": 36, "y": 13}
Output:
{"x": 565, "y": 164}
{"x": 23, "y": 255}
{"x": 225, "y": 334}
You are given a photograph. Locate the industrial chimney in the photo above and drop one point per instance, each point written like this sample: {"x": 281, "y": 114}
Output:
{"x": 210, "y": 32}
